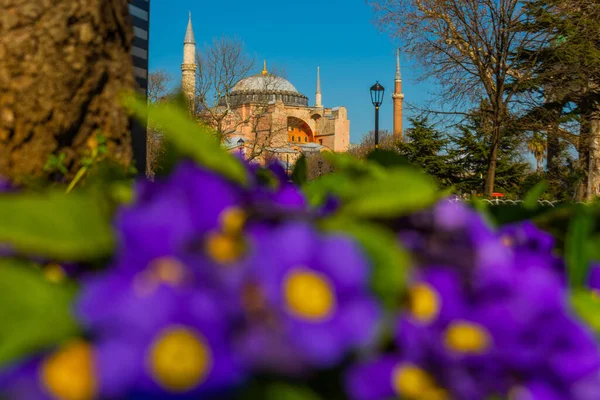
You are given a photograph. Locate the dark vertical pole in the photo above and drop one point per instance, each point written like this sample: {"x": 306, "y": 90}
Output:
{"x": 376, "y": 127}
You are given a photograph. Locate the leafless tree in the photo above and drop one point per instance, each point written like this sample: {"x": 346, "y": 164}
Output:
{"x": 469, "y": 46}
{"x": 221, "y": 65}
{"x": 158, "y": 85}
{"x": 367, "y": 144}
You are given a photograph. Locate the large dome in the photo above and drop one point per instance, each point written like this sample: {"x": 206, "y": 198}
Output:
{"x": 265, "y": 88}
{"x": 264, "y": 82}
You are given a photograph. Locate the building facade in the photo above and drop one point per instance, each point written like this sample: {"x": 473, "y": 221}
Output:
{"x": 268, "y": 117}
{"x": 139, "y": 10}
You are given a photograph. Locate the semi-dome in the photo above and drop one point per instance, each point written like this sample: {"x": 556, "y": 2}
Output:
{"x": 265, "y": 88}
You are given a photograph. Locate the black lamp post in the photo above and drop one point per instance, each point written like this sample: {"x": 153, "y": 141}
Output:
{"x": 377, "y": 98}
{"x": 240, "y": 144}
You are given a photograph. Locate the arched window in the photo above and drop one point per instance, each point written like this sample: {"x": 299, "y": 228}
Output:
{"x": 306, "y": 138}
{"x": 292, "y": 138}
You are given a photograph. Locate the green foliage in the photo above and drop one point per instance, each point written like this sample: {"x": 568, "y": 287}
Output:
{"x": 299, "y": 174}
{"x": 577, "y": 254}
{"x": 56, "y": 225}
{"x": 281, "y": 391}
{"x": 426, "y": 148}
{"x": 401, "y": 191}
{"x": 56, "y": 163}
{"x": 387, "y": 158}
{"x": 190, "y": 138}
{"x": 369, "y": 190}
{"x": 587, "y": 305}
{"x": 35, "y": 313}
{"x": 470, "y": 153}
{"x": 532, "y": 197}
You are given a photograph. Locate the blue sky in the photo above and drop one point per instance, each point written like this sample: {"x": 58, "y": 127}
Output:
{"x": 298, "y": 35}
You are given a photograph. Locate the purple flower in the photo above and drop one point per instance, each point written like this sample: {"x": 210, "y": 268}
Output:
{"x": 594, "y": 278}
{"x": 142, "y": 323}
{"x": 5, "y": 185}
{"x": 311, "y": 300}
{"x": 272, "y": 192}
{"x": 487, "y": 315}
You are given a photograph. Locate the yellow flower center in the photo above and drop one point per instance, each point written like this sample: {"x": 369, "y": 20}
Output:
{"x": 467, "y": 337}
{"x": 54, "y": 273}
{"x": 69, "y": 374}
{"x": 411, "y": 382}
{"x": 224, "y": 248}
{"x": 232, "y": 220}
{"x": 308, "y": 294}
{"x": 424, "y": 302}
{"x": 179, "y": 359}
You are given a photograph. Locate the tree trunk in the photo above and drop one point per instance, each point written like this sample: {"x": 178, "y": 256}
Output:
{"x": 490, "y": 175}
{"x": 63, "y": 64}
{"x": 584, "y": 165}
{"x": 552, "y": 153}
{"x": 593, "y": 184}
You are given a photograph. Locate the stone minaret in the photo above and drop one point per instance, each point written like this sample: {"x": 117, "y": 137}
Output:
{"x": 398, "y": 97}
{"x": 188, "y": 68}
{"x": 318, "y": 100}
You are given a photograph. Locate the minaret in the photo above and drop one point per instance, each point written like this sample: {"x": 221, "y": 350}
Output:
{"x": 188, "y": 68}
{"x": 398, "y": 97}
{"x": 318, "y": 99}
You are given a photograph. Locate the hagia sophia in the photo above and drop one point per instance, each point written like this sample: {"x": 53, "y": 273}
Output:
{"x": 288, "y": 125}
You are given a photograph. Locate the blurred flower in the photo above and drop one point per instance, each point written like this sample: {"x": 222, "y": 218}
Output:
{"x": 156, "y": 334}
{"x": 310, "y": 301}
{"x": 486, "y": 315}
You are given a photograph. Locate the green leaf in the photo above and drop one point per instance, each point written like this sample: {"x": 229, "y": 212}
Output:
{"x": 387, "y": 158}
{"x": 399, "y": 192}
{"x": 281, "y": 391}
{"x": 577, "y": 255}
{"x": 587, "y": 305}
{"x": 299, "y": 174}
{"x": 190, "y": 138}
{"x": 55, "y": 225}
{"x": 339, "y": 185}
{"x": 531, "y": 198}
{"x": 35, "y": 313}
{"x": 349, "y": 165}
{"x": 389, "y": 261}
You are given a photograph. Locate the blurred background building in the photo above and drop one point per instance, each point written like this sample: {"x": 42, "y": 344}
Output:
{"x": 140, "y": 16}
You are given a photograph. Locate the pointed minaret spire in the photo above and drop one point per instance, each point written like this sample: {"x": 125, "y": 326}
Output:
{"x": 188, "y": 68}
{"x": 189, "y": 33}
{"x": 318, "y": 99}
{"x": 398, "y": 97}
{"x": 264, "y": 71}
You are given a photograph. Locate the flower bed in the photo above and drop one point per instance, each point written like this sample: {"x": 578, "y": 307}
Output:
{"x": 226, "y": 280}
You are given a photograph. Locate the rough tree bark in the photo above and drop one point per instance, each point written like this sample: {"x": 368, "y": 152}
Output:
{"x": 593, "y": 178}
{"x": 63, "y": 65}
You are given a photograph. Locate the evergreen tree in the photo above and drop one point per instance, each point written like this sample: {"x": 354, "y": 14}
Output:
{"x": 469, "y": 154}
{"x": 426, "y": 147}
{"x": 565, "y": 67}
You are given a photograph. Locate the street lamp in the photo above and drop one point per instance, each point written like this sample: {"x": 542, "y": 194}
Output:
{"x": 240, "y": 144}
{"x": 377, "y": 98}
